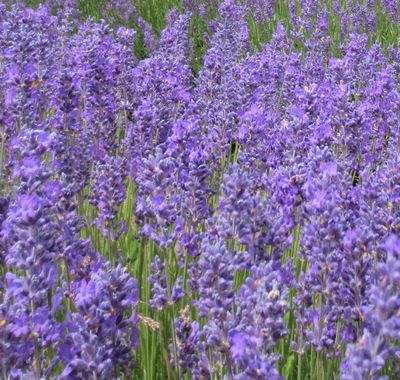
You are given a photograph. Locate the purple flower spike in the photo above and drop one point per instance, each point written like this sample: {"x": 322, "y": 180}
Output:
{"x": 380, "y": 341}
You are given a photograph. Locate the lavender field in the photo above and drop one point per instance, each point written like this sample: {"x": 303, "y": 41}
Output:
{"x": 204, "y": 190}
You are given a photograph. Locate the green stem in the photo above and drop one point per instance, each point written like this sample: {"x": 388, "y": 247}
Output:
{"x": 171, "y": 312}
{"x": 299, "y": 369}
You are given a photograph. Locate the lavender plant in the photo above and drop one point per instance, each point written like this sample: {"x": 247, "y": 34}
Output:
{"x": 199, "y": 190}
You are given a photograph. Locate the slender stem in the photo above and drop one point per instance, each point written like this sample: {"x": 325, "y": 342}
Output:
{"x": 68, "y": 283}
{"x": 229, "y": 363}
{"x": 36, "y": 360}
{"x": 185, "y": 270}
{"x": 171, "y": 312}
{"x": 36, "y": 354}
{"x": 165, "y": 352}
{"x": 299, "y": 369}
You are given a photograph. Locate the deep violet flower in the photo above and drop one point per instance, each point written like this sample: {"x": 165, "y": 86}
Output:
{"x": 102, "y": 334}
{"x": 267, "y": 180}
{"x": 164, "y": 294}
{"x": 261, "y": 307}
{"x": 381, "y": 337}
{"x": 108, "y": 191}
{"x": 31, "y": 296}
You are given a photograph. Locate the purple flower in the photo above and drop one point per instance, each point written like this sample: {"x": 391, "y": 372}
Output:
{"x": 164, "y": 295}
{"x": 108, "y": 191}
{"x": 381, "y": 336}
{"x": 102, "y": 334}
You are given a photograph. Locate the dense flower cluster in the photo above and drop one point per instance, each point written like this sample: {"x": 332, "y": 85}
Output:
{"x": 235, "y": 219}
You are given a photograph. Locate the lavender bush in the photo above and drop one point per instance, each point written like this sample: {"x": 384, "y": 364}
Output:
{"x": 211, "y": 196}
